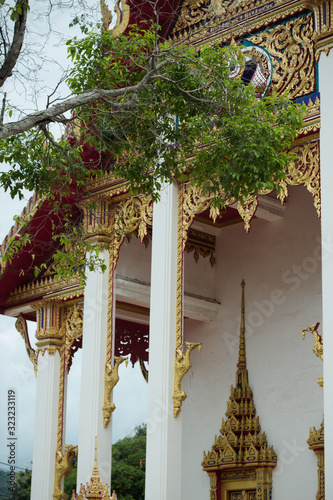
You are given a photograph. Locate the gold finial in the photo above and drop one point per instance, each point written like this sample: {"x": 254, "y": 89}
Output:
{"x": 242, "y": 328}
{"x": 242, "y": 375}
{"x": 95, "y": 488}
{"x": 242, "y": 355}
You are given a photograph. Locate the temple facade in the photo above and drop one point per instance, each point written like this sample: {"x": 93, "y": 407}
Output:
{"x": 212, "y": 305}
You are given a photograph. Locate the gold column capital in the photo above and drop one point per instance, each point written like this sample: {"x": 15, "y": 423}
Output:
{"x": 97, "y": 220}
{"x": 50, "y": 332}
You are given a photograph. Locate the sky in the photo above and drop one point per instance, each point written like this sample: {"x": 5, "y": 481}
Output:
{"x": 16, "y": 370}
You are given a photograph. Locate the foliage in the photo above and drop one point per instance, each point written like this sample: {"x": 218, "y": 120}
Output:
{"x": 23, "y": 481}
{"x": 70, "y": 480}
{"x": 244, "y": 139}
{"x": 3, "y": 484}
{"x": 127, "y": 478}
{"x": 151, "y": 112}
{"x": 23, "y": 485}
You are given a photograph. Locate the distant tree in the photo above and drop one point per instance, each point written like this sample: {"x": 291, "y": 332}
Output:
{"x": 70, "y": 481}
{"x": 3, "y": 484}
{"x": 23, "y": 482}
{"x": 128, "y": 479}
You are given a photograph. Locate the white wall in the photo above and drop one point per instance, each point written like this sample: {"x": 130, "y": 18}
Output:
{"x": 134, "y": 260}
{"x": 280, "y": 262}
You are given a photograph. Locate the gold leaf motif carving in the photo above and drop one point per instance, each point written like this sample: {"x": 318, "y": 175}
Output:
{"x": 110, "y": 381}
{"x": 318, "y": 348}
{"x": 291, "y": 47}
{"x": 133, "y": 214}
{"x": 247, "y": 210}
{"x": 63, "y": 468}
{"x": 198, "y": 11}
{"x": 22, "y": 327}
{"x": 73, "y": 325}
{"x": 193, "y": 11}
{"x": 305, "y": 170}
{"x": 182, "y": 366}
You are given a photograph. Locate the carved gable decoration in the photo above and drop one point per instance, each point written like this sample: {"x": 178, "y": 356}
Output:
{"x": 291, "y": 48}
{"x": 192, "y": 12}
{"x": 216, "y": 11}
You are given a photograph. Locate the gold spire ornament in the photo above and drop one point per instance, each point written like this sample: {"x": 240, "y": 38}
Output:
{"x": 240, "y": 460}
{"x": 95, "y": 489}
{"x": 242, "y": 375}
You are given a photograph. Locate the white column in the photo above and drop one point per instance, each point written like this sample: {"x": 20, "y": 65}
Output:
{"x": 164, "y": 432}
{"x": 92, "y": 379}
{"x": 326, "y": 163}
{"x": 46, "y": 423}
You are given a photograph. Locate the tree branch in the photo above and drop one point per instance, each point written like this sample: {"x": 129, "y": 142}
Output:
{"x": 54, "y": 113}
{"x": 16, "y": 46}
{"x": 2, "y": 113}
